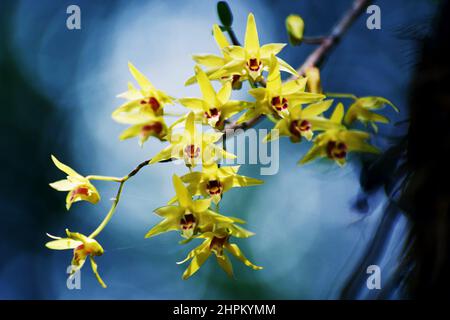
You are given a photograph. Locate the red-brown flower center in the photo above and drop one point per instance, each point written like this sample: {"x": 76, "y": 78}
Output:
{"x": 217, "y": 244}
{"x": 84, "y": 191}
{"x": 254, "y": 64}
{"x": 155, "y": 127}
{"x": 187, "y": 222}
{"x": 336, "y": 150}
{"x": 152, "y": 102}
{"x": 214, "y": 187}
{"x": 279, "y": 103}
{"x": 192, "y": 151}
{"x": 213, "y": 113}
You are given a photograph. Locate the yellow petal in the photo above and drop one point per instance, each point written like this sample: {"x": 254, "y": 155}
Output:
{"x": 76, "y": 236}
{"x": 195, "y": 251}
{"x": 223, "y": 95}
{"x": 94, "y": 269}
{"x": 248, "y": 115}
{"x": 68, "y": 170}
{"x": 270, "y": 49}
{"x": 164, "y": 226}
{"x": 338, "y": 113}
{"x": 235, "y": 251}
{"x": 164, "y": 154}
{"x": 220, "y": 38}
{"x": 294, "y": 86}
{"x": 169, "y": 211}
{"x": 237, "y": 53}
{"x": 196, "y": 263}
{"x": 209, "y": 95}
{"x": 62, "y": 185}
{"x": 201, "y": 205}
{"x": 209, "y": 60}
{"x": 243, "y": 181}
{"x": 313, "y": 83}
{"x": 284, "y": 66}
{"x": 314, "y": 152}
{"x": 355, "y": 141}
{"x": 63, "y": 244}
{"x": 184, "y": 198}
{"x": 274, "y": 77}
{"x": 225, "y": 264}
{"x": 131, "y": 132}
{"x": 194, "y": 104}
{"x": 189, "y": 128}
{"x": 317, "y": 108}
{"x": 251, "y": 42}
{"x": 143, "y": 82}
{"x": 304, "y": 97}
{"x": 131, "y": 94}
{"x": 258, "y": 93}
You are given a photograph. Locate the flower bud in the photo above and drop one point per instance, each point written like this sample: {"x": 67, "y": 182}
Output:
{"x": 295, "y": 28}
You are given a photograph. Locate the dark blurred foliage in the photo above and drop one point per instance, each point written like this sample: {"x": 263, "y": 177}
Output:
{"x": 415, "y": 175}
{"x": 26, "y": 122}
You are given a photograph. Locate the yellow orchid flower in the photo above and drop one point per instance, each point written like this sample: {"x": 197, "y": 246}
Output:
{"x": 301, "y": 122}
{"x": 145, "y": 127}
{"x": 252, "y": 59}
{"x": 363, "y": 110}
{"x": 79, "y": 187}
{"x": 212, "y": 182}
{"x": 218, "y": 243}
{"x": 214, "y": 63}
{"x": 190, "y": 217}
{"x": 336, "y": 143}
{"x": 193, "y": 147}
{"x": 214, "y": 108}
{"x": 83, "y": 247}
{"x": 276, "y": 98}
{"x": 147, "y": 100}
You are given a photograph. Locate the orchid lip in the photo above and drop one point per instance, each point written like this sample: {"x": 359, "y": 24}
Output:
{"x": 191, "y": 151}
{"x": 155, "y": 127}
{"x": 84, "y": 191}
{"x": 214, "y": 187}
{"x": 279, "y": 103}
{"x": 253, "y": 65}
{"x": 336, "y": 150}
{"x": 152, "y": 102}
{"x": 217, "y": 244}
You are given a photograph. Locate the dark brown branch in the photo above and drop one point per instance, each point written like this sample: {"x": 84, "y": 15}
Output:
{"x": 313, "y": 40}
{"x": 317, "y": 57}
{"x": 143, "y": 164}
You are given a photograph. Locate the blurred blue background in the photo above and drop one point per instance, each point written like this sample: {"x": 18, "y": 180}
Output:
{"x": 57, "y": 91}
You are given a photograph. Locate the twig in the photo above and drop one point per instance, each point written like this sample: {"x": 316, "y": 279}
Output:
{"x": 313, "y": 40}
{"x": 317, "y": 57}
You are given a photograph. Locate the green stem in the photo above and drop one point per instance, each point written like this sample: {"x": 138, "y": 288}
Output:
{"x": 341, "y": 95}
{"x": 104, "y": 178}
{"x": 111, "y": 211}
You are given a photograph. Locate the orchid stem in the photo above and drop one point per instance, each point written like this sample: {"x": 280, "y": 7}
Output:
{"x": 110, "y": 213}
{"x": 104, "y": 178}
{"x": 341, "y": 95}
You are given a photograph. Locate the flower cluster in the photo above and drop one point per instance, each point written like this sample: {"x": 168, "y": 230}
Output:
{"x": 298, "y": 107}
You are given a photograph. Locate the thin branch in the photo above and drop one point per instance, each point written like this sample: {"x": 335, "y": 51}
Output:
{"x": 317, "y": 57}
{"x": 313, "y": 40}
